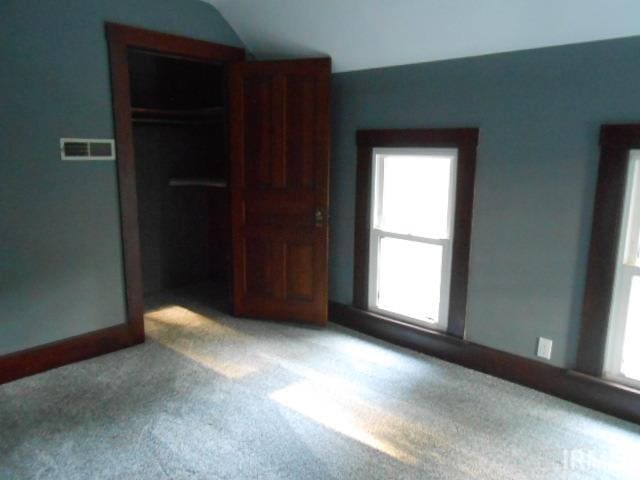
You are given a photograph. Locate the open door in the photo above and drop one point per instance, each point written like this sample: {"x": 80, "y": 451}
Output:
{"x": 279, "y": 116}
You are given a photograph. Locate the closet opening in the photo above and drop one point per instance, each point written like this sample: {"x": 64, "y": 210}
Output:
{"x": 170, "y": 104}
{"x": 179, "y": 123}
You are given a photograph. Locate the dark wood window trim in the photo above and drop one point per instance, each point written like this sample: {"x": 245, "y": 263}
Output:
{"x": 465, "y": 141}
{"x": 615, "y": 143}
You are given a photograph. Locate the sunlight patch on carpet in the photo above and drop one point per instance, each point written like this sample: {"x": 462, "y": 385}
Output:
{"x": 196, "y": 337}
{"x": 347, "y": 415}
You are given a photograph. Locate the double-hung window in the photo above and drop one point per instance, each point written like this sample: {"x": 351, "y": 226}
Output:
{"x": 622, "y": 361}
{"x": 413, "y": 199}
{"x": 414, "y": 203}
{"x": 610, "y": 335}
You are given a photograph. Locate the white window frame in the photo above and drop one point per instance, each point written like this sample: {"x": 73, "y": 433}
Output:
{"x": 627, "y": 267}
{"x": 376, "y": 234}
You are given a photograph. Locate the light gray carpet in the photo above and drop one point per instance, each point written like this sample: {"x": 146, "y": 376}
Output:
{"x": 213, "y": 397}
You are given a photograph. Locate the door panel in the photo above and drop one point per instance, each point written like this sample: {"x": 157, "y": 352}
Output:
{"x": 301, "y": 115}
{"x": 279, "y": 186}
{"x": 258, "y": 135}
{"x": 257, "y": 252}
{"x": 299, "y": 263}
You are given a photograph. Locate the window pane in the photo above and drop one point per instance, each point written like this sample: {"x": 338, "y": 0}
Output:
{"x": 631, "y": 347}
{"x": 633, "y": 244}
{"x": 415, "y": 195}
{"x": 409, "y": 278}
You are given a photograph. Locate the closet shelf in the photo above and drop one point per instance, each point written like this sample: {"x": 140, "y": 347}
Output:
{"x": 198, "y": 182}
{"x": 161, "y": 115}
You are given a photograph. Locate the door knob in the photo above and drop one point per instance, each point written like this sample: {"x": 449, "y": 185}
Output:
{"x": 319, "y": 217}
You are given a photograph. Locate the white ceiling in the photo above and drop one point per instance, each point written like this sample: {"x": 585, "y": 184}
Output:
{"x": 361, "y": 34}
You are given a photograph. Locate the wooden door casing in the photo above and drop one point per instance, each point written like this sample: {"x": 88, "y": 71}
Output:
{"x": 279, "y": 115}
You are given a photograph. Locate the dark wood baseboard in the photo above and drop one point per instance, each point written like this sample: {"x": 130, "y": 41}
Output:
{"x": 52, "y": 355}
{"x": 585, "y": 390}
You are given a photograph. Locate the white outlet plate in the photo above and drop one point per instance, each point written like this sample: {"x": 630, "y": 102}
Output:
{"x": 544, "y": 348}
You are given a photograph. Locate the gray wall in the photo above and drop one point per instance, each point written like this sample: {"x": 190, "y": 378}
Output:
{"x": 60, "y": 252}
{"x": 539, "y": 112}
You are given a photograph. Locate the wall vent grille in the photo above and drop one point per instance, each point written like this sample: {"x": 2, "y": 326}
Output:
{"x": 87, "y": 149}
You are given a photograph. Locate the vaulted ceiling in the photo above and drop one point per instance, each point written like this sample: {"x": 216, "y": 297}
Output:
{"x": 361, "y": 34}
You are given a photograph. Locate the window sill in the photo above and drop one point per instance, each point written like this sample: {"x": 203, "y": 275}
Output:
{"x": 423, "y": 329}
{"x": 407, "y": 322}
{"x": 607, "y": 382}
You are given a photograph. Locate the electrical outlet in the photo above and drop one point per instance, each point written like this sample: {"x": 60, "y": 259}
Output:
{"x": 544, "y": 347}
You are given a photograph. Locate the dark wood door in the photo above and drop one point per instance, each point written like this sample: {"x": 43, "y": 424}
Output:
{"x": 279, "y": 188}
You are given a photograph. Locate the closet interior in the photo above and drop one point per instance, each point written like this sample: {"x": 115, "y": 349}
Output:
{"x": 179, "y": 119}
